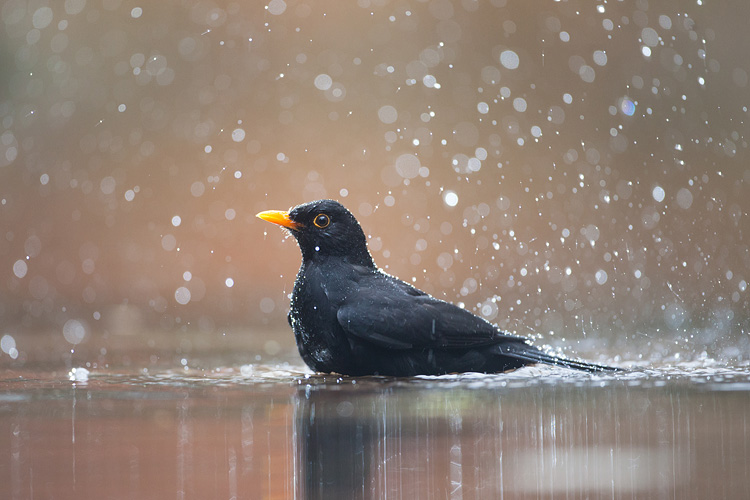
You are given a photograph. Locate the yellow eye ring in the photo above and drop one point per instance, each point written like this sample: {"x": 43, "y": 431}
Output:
{"x": 321, "y": 221}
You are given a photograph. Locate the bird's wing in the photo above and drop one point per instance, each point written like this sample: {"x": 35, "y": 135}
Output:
{"x": 397, "y": 320}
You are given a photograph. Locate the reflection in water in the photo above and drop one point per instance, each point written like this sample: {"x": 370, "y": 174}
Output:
{"x": 535, "y": 433}
{"x": 540, "y": 440}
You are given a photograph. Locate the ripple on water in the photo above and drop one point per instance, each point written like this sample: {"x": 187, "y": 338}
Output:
{"x": 706, "y": 375}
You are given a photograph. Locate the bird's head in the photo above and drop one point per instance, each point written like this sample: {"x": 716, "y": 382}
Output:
{"x": 323, "y": 228}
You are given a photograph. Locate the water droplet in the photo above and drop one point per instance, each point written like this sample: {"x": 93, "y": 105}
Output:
{"x": 650, "y": 37}
{"x": 627, "y": 106}
{"x": 74, "y": 331}
{"x": 238, "y": 135}
{"x": 182, "y": 295}
{"x": 323, "y": 82}
{"x": 684, "y": 198}
{"x": 601, "y": 276}
{"x": 450, "y": 198}
{"x": 20, "y": 268}
{"x": 519, "y": 104}
{"x": 658, "y": 193}
{"x": 387, "y": 114}
{"x": 42, "y": 17}
{"x": 509, "y": 59}
{"x": 276, "y": 7}
{"x": 600, "y": 57}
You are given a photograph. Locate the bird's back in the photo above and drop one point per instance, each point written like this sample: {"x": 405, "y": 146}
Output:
{"x": 356, "y": 320}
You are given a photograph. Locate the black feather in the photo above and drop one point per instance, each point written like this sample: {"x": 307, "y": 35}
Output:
{"x": 351, "y": 318}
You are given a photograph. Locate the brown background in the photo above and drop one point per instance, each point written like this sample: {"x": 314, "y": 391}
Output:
{"x": 116, "y": 117}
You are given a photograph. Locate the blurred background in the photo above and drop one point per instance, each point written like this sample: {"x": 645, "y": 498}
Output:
{"x": 572, "y": 171}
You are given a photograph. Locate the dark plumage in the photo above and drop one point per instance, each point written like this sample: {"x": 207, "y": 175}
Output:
{"x": 351, "y": 318}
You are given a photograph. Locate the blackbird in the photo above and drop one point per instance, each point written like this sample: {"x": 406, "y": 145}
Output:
{"x": 350, "y": 317}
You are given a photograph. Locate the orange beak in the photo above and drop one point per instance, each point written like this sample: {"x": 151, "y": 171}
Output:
{"x": 279, "y": 217}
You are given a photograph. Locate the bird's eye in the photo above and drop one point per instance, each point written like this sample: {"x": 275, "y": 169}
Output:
{"x": 321, "y": 220}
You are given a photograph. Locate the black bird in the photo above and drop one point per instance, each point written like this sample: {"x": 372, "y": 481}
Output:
{"x": 351, "y": 318}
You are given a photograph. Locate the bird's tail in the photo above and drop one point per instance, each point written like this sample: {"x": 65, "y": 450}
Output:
{"x": 531, "y": 354}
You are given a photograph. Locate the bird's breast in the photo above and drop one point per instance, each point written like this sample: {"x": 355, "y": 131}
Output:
{"x": 320, "y": 339}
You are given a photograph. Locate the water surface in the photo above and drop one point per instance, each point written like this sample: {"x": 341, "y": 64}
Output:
{"x": 277, "y": 431}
